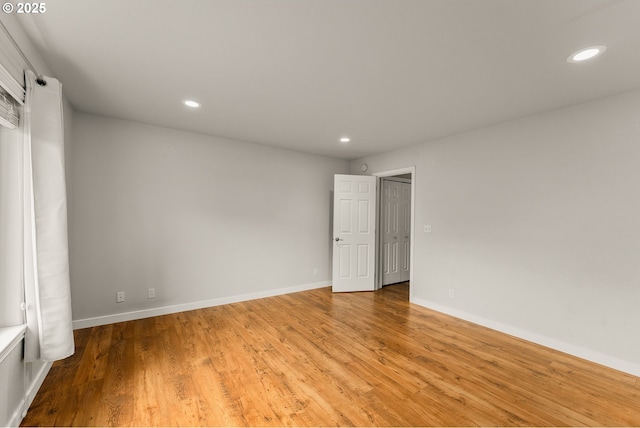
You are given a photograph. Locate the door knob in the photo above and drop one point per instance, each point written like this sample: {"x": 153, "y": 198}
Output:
{"x": 339, "y": 239}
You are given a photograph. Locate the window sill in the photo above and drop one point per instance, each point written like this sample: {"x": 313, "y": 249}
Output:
{"x": 9, "y": 338}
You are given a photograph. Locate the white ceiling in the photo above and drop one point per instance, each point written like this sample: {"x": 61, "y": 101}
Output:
{"x": 299, "y": 74}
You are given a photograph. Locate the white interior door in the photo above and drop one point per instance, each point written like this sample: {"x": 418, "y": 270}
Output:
{"x": 395, "y": 231}
{"x": 354, "y": 230}
{"x": 391, "y": 196}
{"x": 405, "y": 231}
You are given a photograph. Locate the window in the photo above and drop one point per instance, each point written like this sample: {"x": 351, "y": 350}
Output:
{"x": 9, "y": 114}
{"x": 10, "y": 212}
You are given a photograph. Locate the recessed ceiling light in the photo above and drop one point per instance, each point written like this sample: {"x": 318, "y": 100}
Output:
{"x": 345, "y": 139}
{"x": 191, "y": 103}
{"x": 586, "y": 53}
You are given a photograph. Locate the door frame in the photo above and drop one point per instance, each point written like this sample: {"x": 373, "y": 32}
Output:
{"x": 389, "y": 173}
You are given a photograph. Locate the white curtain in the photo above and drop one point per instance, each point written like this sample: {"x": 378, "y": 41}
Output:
{"x": 46, "y": 256}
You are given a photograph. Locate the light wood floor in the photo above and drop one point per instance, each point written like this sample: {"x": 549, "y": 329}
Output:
{"x": 320, "y": 359}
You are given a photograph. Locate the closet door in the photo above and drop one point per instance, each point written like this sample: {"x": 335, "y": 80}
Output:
{"x": 405, "y": 231}
{"x": 391, "y": 232}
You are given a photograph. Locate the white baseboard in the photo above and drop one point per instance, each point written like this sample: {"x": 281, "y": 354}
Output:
{"x": 18, "y": 416}
{"x": 567, "y": 348}
{"x": 30, "y": 394}
{"x": 164, "y": 310}
{"x": 36, "y": 383}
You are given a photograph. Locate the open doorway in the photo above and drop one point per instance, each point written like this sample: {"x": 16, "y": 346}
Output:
{"x": 357, "y": 241}
{"x": 395, "y": 227}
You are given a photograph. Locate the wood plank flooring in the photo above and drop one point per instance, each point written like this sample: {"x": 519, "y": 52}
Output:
{"x": 320, "y": 359}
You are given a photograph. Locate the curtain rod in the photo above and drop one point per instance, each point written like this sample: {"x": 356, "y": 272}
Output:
{"x": 40, "y": 79}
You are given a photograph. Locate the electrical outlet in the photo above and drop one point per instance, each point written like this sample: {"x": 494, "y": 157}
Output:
{"x": 120, "y": 296}
{"x": 452, "y": 293}
{"x": 151, "y": 293}
{"x": 315, "y": 271}
{"x": 427, "y": 228}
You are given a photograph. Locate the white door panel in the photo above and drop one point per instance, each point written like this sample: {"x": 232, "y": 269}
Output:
{"x": 391, "y": 231}
{"x": 354, "y": 215}
{"x": 405, "y": 230}
{"x": 396, "y": 231}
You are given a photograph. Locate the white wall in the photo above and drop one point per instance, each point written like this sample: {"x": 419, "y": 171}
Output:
{"x": 197, "y": 218}
{"x": 535, "y": 227}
